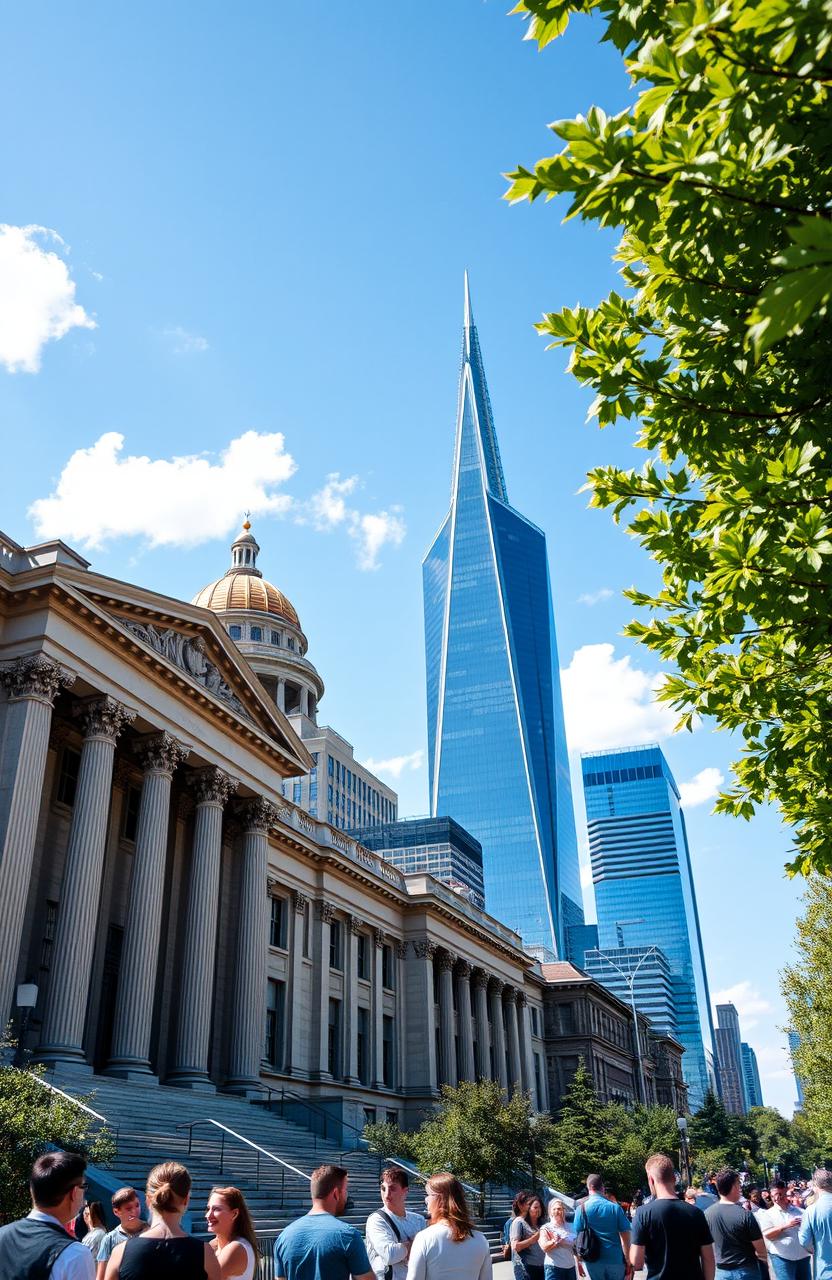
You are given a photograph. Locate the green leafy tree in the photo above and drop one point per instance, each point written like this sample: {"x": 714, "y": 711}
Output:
{"x": 642, "y": 1132}
{"x": 718, "y": 1139}
{"x": 387, "y": 1139}
{"x": 583, "y": 1137}
{"x": 479, "y": 1135}
{"x": 719, "y": 173}
{"x": 31, "y": 1120}
{"x": 782, "y": 1142}
{"x": 807, "y": 989}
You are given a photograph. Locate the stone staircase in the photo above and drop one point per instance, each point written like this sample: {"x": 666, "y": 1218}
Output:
{"x": 148, "y": 1123}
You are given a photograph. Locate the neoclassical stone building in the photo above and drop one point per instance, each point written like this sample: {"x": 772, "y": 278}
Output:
{"x": 180, "y": 918}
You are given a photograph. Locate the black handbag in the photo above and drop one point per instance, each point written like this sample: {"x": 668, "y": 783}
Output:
{"x": 587, "y": 1244}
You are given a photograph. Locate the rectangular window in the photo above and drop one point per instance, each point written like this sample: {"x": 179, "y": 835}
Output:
{"x": 68, "y": 776}
{"x": 275, "y": 1022}
{"x": 363, "y": 1045}
{"x": 296, "y": 792}
{"x": 369, "y": 1115}
{"x": 363, "y": 956}
{"x": 537, "y": 1080}
{"x": 392, "y": 1117}
{"x": 256, "y": 633}
{"x": 388, "y": 1058}
{"x": 50, "y": 922}
{"x": 535, "y": 1023}
{"x": 307, "y": 930}
{"x": 275, "y": 637}
{"x": 335, "y": 945}
{"x": 334, "y": 1039}
{"x": 330, "y": 766}
{"x": 235, "y": 631}
{"x": 388, "y": 968}
{"x": 278, "y": 923}
{"x": 130, "y": 822}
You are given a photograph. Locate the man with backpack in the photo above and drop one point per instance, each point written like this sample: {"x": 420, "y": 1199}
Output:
{"x": 670, "y": 1235}
{"x": 602, "y": 1234}
{"x": 390, "y": 1230}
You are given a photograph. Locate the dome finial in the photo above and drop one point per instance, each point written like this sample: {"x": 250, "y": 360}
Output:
{"x": 247, "y": 522}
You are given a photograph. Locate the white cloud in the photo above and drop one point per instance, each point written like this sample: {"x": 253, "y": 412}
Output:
{"x": 595, "y": 597}
{"x": 178, "y": 501}
{"x": 370, "y": 530}
{"x": 37, "y": 296}
{"x": 396, "y": 765}
{"x": 608, "y": 702}
{"x": 701, "y": 788}
{"x": 774, "y": 1062}
{"x": 586, "y": 875}
{"x": 184, "y": 343}
{"x": 749, "y": 1002}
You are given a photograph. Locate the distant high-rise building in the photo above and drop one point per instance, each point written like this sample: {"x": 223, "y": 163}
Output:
{"x": 729, "y": 1057}
{"x": 794, "y": 1042}
{"x": 652, "y": 981}
{"x": 580, "y": 938}
{"x": 644, "y": 890}
{"x": 438, "y": 847}
{"x": 751, "y": 1077}
{"x": 496, "y": 741}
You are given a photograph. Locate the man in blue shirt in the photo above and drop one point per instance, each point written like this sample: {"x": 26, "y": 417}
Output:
{"x": 612, "y": 1227}
{"x": 815, "y": 1231}
{"x": 318, "y": 1246}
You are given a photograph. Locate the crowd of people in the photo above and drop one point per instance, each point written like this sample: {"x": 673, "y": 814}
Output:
{"x": 717, "y": 1231}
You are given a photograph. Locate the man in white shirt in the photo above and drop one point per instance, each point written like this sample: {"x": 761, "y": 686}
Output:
{"x": 390, "y": 1230}
{"x": 780, "y": 1225}
{"x": 40, "y": 1244}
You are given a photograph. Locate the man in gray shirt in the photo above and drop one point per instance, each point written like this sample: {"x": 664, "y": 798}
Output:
{"x": 738, "y": 1240}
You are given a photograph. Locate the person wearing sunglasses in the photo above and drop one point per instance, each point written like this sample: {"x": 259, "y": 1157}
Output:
{"x": 40, "y": 1245}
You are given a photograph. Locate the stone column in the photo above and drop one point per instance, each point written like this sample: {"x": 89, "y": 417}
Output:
{"x": 62, "y": 1035}
{"x": 293, "y": 994}
{"x": 447, "y": 1045}
{"x": 304, "y": 701}
{"x": 465, "y": 1025}
{"x": 248, "y": 1000}
{"x": 495, "y": 995}
{"x": 281, "y": 693}
{"x": 213, "y": 790}
{"x": 515, "y": 1072}
{"x": 378, "y": 1010}
{"x": 32, "y": 684}
{"x": 420, "y": 1058}
{"x": 351, "y": 1004}
{"x": 325, "y": 914}
{"x": 480, "y": 980}
{"x": 526, "y": 1063}
{"x": 401, "y": 1013}
{"x": 130, "y": 1052}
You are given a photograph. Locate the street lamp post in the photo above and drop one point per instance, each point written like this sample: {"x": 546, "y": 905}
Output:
{"x": 629, "y": 976}
{"x": 682, "y": 1125}
{"x": 27, "y": 998}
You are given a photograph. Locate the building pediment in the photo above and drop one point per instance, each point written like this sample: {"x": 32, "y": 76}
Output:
{"x": 195, "y": 644}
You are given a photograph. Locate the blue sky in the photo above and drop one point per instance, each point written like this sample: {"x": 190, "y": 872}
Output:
{"x": 264, "y": 217}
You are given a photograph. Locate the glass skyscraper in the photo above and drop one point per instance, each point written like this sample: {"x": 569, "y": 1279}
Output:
{"x": 496, "y": 742}
{"x": 644, "y": 890}
{"x": 751, "y": 1077}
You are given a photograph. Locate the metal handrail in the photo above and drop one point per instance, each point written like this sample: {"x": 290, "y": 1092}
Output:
{"x": 53, "y": 1088}
{"x": 261, "y": 1151}
{"x": 345, "y": 1124}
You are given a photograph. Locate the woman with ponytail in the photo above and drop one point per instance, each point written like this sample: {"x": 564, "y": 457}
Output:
{"x": 450, "y": 1248}
{"x": 165, "y": 1252}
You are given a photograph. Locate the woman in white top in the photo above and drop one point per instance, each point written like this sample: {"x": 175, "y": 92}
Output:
{"x": 557, "y": 1242}
{"x": 235, "y": 1242}
{"x": 450, "y": 1248}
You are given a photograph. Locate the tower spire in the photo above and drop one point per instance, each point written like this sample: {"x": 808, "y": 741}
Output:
{"x": 477, "y": 389}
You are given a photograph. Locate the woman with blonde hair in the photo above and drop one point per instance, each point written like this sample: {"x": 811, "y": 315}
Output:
{"x": 165, "y": 1251}
{"x": 234, "y": 1243}
{"x": 557, "y": 1240}
{"x": 450, "y": 1247}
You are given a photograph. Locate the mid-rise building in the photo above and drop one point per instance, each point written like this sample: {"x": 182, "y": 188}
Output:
{"x": 751, "y": 1077}
{"x": 729, "y": 1058}
{"x": 644, "y": 890}
{"x": 438, "y": 847}
{"x": 265, "y": 626}
{"x": 647, "y": 970}
{"x": 497, "y": 752}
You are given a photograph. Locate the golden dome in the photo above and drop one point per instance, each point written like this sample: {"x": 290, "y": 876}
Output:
{"x": 246, "y": 591}
{"x": 243, "y": 586}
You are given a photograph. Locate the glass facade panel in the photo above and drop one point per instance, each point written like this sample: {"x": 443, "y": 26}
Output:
{"x": 496, "y": 743}
{"x": 644, "y": 891}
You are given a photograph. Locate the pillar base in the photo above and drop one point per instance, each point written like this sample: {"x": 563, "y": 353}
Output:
{"x": 195, "y": 1080}
{"x": 63, "y": 1056}
{"x": 246, "y": 1087}
{"x": 131, "y": 1069}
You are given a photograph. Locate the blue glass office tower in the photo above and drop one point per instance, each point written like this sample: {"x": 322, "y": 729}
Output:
{"x": 496, "y": 742}
{"x": 644, "y": 890}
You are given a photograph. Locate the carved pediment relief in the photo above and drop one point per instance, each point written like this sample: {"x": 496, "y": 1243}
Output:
{"x": 189, "y": 654}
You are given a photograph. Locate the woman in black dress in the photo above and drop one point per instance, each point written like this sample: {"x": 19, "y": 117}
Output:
{"x": 165, "y": 1251}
